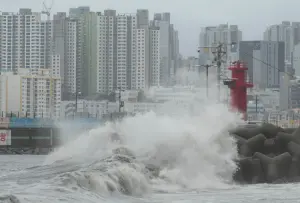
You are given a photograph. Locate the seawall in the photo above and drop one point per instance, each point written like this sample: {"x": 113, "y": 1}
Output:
{"x": 267, "y": 154}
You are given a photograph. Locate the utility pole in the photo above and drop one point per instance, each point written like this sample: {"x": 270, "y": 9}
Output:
{"x": 206, "y": 67}
{"x": 121, "y": 103}
{"x": 219, "y": 52}
{"x": 256, "y": 106}
{"x": 76, "y": 99}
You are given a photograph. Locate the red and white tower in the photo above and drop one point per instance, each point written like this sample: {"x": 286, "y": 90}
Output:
{"x": 238, "y": 87}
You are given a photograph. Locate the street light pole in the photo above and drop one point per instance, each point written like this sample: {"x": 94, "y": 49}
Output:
{"x": 206, "y": 69}
{"x": 121, "y": 103}
{"x": 76, "y": 100}
{"x": 220, "y": 53}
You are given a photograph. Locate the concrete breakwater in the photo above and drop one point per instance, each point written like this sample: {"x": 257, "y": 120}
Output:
{"x": 29, "y": 140}
{"x": 35, "y": 140}
{"x": 267, "y": 154}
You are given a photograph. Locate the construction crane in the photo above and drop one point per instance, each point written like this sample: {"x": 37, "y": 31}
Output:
{"x": 47, "y": 9}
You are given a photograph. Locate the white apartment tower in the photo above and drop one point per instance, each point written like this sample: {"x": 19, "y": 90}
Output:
{"x": 25, "y": 41}
{"x": 211, "y": 36}
{"x": 64, "y": 45}
{"x": 281, "y": 33}
{"x": 128, "y": 55}
{"x": 142, "y": 65}
{"x": 115, "y": 50}
{"x": 154, "y": 56}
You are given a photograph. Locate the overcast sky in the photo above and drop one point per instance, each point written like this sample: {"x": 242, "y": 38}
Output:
{"x": 188, "y": 16}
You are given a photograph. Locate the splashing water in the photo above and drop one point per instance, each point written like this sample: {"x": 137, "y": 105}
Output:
{"x": 186, "y": 152}
{"x": 173, "y": 150}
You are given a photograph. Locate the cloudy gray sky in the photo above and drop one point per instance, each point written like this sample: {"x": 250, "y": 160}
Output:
{"x": 188, "y": 16}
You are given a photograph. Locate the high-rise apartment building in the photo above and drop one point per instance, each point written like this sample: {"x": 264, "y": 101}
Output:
{"x": 213, "y": 35}
{"x": 169, "y": 48}
{"x": 85, "y": 49}
{"x": 65, "y": 45}
{"x": 287, "y": 32}
{"x": 265, "y": 61}
{"x": 115, "y": 50}
{"x": 154, "y": 56}
{"x": 281, "y": 33}
{"x": 127, "y": 51}
{"x": 296, "y": 59}
{"x": 25, "y": 41}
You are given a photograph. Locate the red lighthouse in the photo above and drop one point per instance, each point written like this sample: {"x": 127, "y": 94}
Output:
{"x": 238, "y": 87}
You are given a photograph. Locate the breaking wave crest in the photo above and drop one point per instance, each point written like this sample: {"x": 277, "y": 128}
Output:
{"x": 144, "y": 154}
{"x": 189, "y": 152}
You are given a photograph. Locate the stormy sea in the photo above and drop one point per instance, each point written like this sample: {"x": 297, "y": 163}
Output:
{"x": 146, "y": 158}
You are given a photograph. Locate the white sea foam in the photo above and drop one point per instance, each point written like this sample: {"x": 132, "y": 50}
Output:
{"x": 191, "y": 151}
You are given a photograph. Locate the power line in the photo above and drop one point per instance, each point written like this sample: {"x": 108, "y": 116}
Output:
{"x": 219, "y": 55}
{"x": 219, "y": 52}
{"x": 269, "y": 65}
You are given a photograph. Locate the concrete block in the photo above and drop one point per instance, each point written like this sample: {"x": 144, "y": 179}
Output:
{"x": 271, "y": 146}
{"x": 294, "y": 169}
{"x": 288, "y": 130}
{"x": 252, "y": 145}
{"x": 249, "y": 171}
{"x": 274, "y": 168}
{"x": 294, "y": 149}
{"x": 270, "y": 130}
{"x": 246, "y": 133}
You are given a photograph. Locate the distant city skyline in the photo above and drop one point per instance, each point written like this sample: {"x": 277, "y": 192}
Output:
{"x": 188, "y": 16}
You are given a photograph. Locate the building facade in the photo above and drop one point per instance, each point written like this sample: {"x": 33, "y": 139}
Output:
{"x": 65, "y": 45}
{"x": 25, "y": 41}
{"x": 287, "y": 32}
{"x": 31, "y": 95}
{"x": 265, "y": 61}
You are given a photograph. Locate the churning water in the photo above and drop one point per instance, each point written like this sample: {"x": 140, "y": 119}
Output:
{"x": 146, "y": 158}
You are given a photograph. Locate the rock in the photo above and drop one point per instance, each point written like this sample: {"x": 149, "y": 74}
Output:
{"x": 296, "y": 134}
{"x": 239, "y": 142}
{"x": 284, "y": 138}
{"x": 272, "y": 155}
{"x": 271, "y": 146}
{"x": 276, "y": 154}
{"x": 288, "y": 130}
{"x": 294, "y": 149}
{"x": 254, "y": 144}
{"x": 274, "y": 168}
{"x": 269, "y": 130}
{"x": 246, "y": 133}
{"x": 294, "y": 169}
{"x": 249, "y": 171}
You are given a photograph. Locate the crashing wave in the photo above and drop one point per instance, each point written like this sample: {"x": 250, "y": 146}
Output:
{"x": 139, "y": 155}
